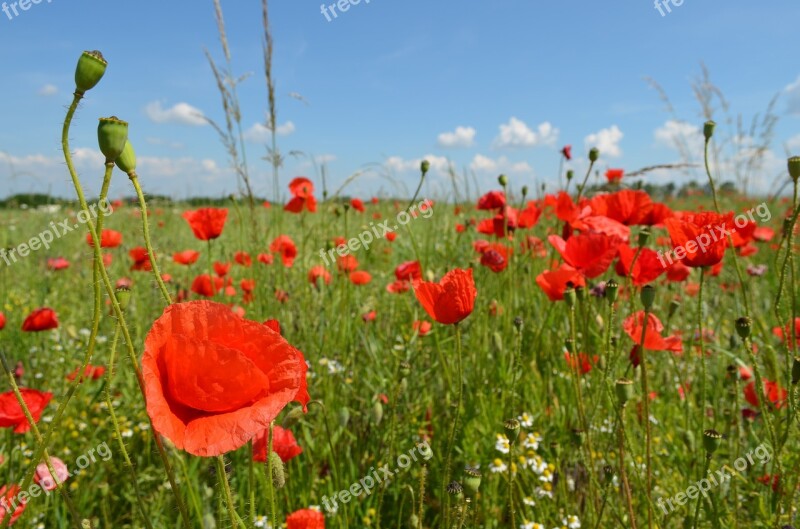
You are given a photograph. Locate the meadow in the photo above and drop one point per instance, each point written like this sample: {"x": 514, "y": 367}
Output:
{"x": 601, "y": 356}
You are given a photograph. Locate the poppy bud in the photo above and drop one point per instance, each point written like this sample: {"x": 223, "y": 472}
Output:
{"x": 648, "y": 296}
{"x": 455, "y": 489}
{"x": 405, "y": 369}
{"x": 794, "y": 167}
{"x": 502, "y": 180}
{"x": 524, "y": 191}
{"x": 293, "y": 417}
{"x": 569, "y": 297}
{"x": 377, "y": 412}
{"x": 624, "y": 389}
{"x": 512, "y": 430}
{"x": 472, "y": 480}
{"x": 413, "y": 521}
{"x": 112, "y": 133}
{"x": 123, "y": 297}
{"x": 612, "y": 288}
{"x": 425, "y": 166}
{"x": 90, "y": 69}
{"x": 278, "y": 474}
{"x": 594, "y": 154}
{"x": 743, "y": 326}
{"x": 796, "y": 370}
{"x": 570, "y": 175}
{"x": 711, "y": 440}
{"x": 518, "y": 322}
{"x": 644, "y": 235}
{"x": 673, "y": 306}
{"x": 344, "y": 417}
{"x": 708, "y": 129}
{"x": 126, "y": 161}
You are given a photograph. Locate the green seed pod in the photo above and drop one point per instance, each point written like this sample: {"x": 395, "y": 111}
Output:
{"x": 126, "y": 161}
{"x": 472, "y": 480}
{"x": 512, "y": 427}
{"x": 413, "y": 521}
{"x": 794, "y": 167}
{"x": 123, "y": 297}
{"x": 711, "y": 441}
{"x": 278, "y": 472}
{"x": 455, "y": 489}
{"x": 405, "y": 369}
{"x": 112, "y": 134}
{"x": 708, "y": 129}
{"x": 524, "y": 191}
{"x": 648, "y": 296}
{"x": 377, "y": 412}
{"x": 624, "y": 390}
{"x": 570, "y": 297}
{"x": 502, "y": 180}
{"x": 570, "y": 175}
{"x": 594, "y": 154}
{"x": 90, "y": 69}
{"x": 644, "y": 235}
{"x": 612, "y": 289}
{"x": 293, "y": 417}
{"x": 796, "y": 370}
{"x": 743, "y": 327}
{"x": 425, "y": 166}
{"x": 608, "y": 475}
{"x": 518, "y": 322}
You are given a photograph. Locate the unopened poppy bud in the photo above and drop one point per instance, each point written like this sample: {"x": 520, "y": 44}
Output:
{"x": 405, "y": 369}
{"x": 425, "y": 166}
{"x": 413, "y": 521}
{"x": 377, "y": 412}
{"x": 524, "y": 191}
{"x": 293, "y": 417}
{"x": 123, "y": 297}
{"x": 708, "y": 129}
{"x": 570, "y": 175}
{"x": 512, "y": 430}
{"x": 743, "y": 327}
{"x": 594, "y": 154}
{"x": 502, "y": 180}
{"x": 711, "y": 441}
{"x": 570, "y": 297}
{"x": 344, "y": 417}
{"x": 472, "y": 480}
{"x": 90, "y": 69}
{"x": 648, "y": 296}
{"x": 126, "y": 161}
{"x": 624, "y": 390}
{"x": 612, "y": 288}
{"x": 644, "y": 235}
{"x": 455, "y": 489}
{"x": 796, "y": 370}
{"x": 794, "y": 167}
{"x": 112, "y": 133}
{"x": 674, "y": 305}
{"x": 278, "y": 474}
{"x": 518, "y": 322}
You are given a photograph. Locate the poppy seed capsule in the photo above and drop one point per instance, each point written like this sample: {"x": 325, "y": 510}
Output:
{"x": 91, "y": 68}
{"x": 512, "y": 430}
{"x": 648, "y": 296}
{"x": 794, "y": 167}
{"x": 608, "y": 474}
{"x": 524, "y": 191}
{"x": 425, "y": 166}
{"x": 612, "y": 288}
{"x": 472, "y": 480}
{"x": 708, "y": 129}
{"x": 123, "y": 297}
{"x": 126, "y": 161}
{"x": 502, "y": 180}
{"x": 454, "y": 488}
{"x": 413, "y": 521}
{"x": 796, "y": 370}
{"x": 569, "y": 297}
{"x": 624, "y": 389}
{"x": 112, "y": 133}
{"x": 711, "y": 441}
{"x": 594, "y": 154}
{"x": 278, "y": 474}
{"x": 405, "y": 369}
{"x": 518, "y": 322}
{"x": 570, "y": 175}
{"x": 743, "y": 327}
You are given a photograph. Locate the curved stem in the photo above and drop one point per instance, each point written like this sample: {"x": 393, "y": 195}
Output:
{"x": 585, "y": 179}
{"x": 226, "y": 488}
{"x": 146, "y": 230}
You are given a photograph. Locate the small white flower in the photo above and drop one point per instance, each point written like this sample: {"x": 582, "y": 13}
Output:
{"x": 261, "y": 522}
{"x": 527, "y": 500}
{"x": 572, "y": 522}
{"x": 498, "y": 466}
{"x": 525, "y": 420}
{"x": 502, "y": 445}
{"x": 532, "y": 441}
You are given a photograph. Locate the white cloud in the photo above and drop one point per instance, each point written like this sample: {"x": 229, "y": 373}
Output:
{"x": 793, "y": 144}
{"x": 260, "y": 133}
{"x": 607, "y": 141}
{"x": 48, "y": 90}
{"x": 517, "y": 134}
{"x": 792, "y": 92}
{"x": 461, "y": 137}
{"x": 483, "y": 164}
{"x": 182, "y": 113}
{"x": 438, "y": 163}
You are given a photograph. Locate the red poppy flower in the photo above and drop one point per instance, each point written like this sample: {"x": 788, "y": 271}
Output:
{"x": 221, "y": 269}
{"x": 93, "y": 372}
{"x": 45, "y": 479}
{"x": 589, "y": 253}
{"x": 360, "y": 277}
{"x": 11, "y": 414}
{"x": 346, "y": 263}
{"x": 581, "y": 361}
{"x": 206, "y": 223}
{"x": 283, "y": 443}
{"x": 59, "y": 263}
{"x": 775, "y": 394}
{"x": 762, "y": 234}
{"x": 303, "y": 190}
{"x": 391, "y": 236}
{"x": 699, "y": 239}
{"x": 243, "y": 258}
{"x": 42, "y": 319}
{"x": 566, "y": 152}
{"x": 285, "y": 246}
{"x": 628, "y": 206}
{"x": 141, "y": 261}
{"x": 408, "y": 271}
{"x": 529, "y": 216}
{"x": 646, "y": 269}
{"x": 357, "y": 205}
{"x": 678, "y": 272}
{"x": 2, "y": 321}
{"x": 496, "y": 257}
{"x": 398, "y": 287}
{"x": 319, "y": 272}
{"x": 186, "y": 257}
{"x": 108, "y": 239}
{"x": 10, "y": 496}
{"x": 450, "y": 300}
{"x": 369, "y": 316}
{"x": 492, "y": 200}
{"x": 214, "y": 380}
{"x": 653, "y": 340}
{"x": 204, "y": 286}
{"x": 554, "y": 282}
{"x": 782, "y": 333}
{"x": 421, "y": 327}
{"x": 305, "y": 519}
{"x": 265, "y": 258}
{"x": 614, "y": 176}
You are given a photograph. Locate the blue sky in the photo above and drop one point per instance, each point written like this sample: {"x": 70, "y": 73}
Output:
{"x": 491, "y": 87}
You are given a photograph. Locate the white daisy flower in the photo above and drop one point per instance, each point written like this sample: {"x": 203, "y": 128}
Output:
{"x": 502, "y": 445}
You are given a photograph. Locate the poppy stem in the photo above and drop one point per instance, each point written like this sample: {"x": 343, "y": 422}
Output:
{"x": 460, "y": 383}
{"x": 622, "y": 472}
{"x": 648, "y": 440}
{"x": 146, "y": 231}
{"x": 273, "y": 516}
{"x": 585, "y": 179}
{"x": 226, "y": 488}
{"x": 702, "y": 351}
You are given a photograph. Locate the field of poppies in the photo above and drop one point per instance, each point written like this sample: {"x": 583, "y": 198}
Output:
{"x": 597, "y": 357}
